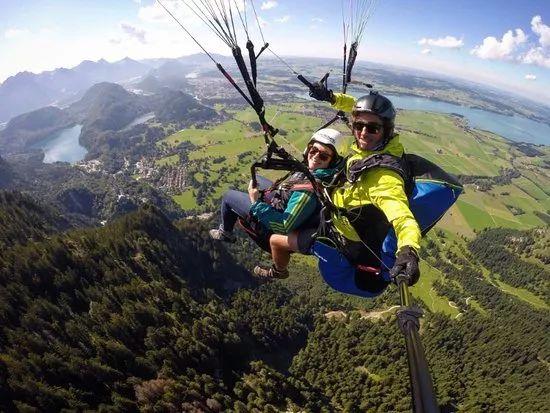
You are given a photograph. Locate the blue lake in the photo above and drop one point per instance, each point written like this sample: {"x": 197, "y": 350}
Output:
{"x": 515, "y": 128}
{"x": 139, "y": 120}
{"x": 63, "y": 146}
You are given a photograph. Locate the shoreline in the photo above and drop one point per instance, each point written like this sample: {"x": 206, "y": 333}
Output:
{"x": 504, "y": 113}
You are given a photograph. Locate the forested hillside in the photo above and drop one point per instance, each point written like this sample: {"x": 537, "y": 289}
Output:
{"x": 147, "y": 315}
{"x": 23, "y": 220}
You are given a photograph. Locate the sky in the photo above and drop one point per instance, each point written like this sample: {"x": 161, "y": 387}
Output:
{"x": 501, "y": 43}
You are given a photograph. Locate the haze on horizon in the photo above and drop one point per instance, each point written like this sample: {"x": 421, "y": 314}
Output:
{"x": 484, "y": 42}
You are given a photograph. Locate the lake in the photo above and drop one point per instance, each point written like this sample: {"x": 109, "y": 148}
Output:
{"x": 63, "y": 146}
{"x": 515, "y": 128}
{"x": 139, "y": 120}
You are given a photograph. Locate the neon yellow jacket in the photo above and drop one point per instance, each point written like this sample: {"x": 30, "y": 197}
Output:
{"x": 381, "y": 187}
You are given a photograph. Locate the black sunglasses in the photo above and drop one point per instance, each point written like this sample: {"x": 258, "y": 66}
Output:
{"x": 372, "y": 127}
{"x": 323, "y": 156}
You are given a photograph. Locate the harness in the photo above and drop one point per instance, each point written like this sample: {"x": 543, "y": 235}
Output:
{"x": 280, "y": 192}
{"x": 278, "y": 195}
{"x": 400, "y": 165}
{"x": 369, "y": 222}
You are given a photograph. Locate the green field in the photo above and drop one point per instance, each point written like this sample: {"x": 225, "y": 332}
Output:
{"x": 186, "y": 200}
{"x": 424, "y": 290}
{"x": 169, "y": 160}
{"x": 524, "y": 295}
{"x": 438, "y": 138}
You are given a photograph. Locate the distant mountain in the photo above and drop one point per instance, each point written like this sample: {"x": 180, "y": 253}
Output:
{"x": 193, "y": 59}
{"x": 108, "y": 106}
{"x": 202, "y": 58}
{"x": 176, "y": 106}
{"x": 24, "y": 130}
{"x": 22, "y": 93}
{"x": 150, "y": 84}
{"x": 104, "y": 71}
{"x": 171, "y": 74}
{"x": 28, "y": 91}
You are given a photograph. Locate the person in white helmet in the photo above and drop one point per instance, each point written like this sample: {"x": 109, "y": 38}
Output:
{"x": 290, "y": 205}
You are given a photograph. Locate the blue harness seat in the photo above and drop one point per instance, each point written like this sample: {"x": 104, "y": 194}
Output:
{"x": 429, "y": 200}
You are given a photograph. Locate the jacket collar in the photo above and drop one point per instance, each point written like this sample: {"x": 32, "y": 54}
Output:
{"x": 393, "y": 147}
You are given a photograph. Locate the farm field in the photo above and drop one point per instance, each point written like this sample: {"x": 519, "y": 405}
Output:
{"x": 169, "y": 160}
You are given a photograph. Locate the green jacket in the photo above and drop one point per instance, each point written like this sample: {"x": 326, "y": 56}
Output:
{"x": 301, "y": 205}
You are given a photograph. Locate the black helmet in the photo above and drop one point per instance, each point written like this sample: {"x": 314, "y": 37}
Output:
{"x": 379, "y": 105}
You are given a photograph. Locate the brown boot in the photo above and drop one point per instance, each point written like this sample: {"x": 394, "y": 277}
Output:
{"x": 263, "y": 271}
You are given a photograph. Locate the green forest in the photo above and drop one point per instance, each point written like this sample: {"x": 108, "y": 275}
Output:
{"x": 146, "y": 314}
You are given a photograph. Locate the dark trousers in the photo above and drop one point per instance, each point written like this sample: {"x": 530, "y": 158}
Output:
{"x": 237, "y": 204}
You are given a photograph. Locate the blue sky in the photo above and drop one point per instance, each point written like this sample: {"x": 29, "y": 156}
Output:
{"x": 462, "y": 38}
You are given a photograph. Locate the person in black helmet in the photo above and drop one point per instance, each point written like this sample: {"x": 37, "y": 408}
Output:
{"x": 377, "y": 198}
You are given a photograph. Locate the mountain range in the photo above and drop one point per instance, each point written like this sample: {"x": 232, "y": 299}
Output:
{"x": 27, "y": 91}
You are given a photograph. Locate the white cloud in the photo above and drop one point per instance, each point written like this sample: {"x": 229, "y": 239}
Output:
{"x": 12, "y": 33}
{"x": 317, "y": 20}
{"x": 492, "y": 48}
{"x": 530, "y": 77}
{"x": 154, "y": 13}
{"x": 266, "y": 5}
{"x": 536, "y": 56}
{"x": 426, "y": 51}
{"x": 448, "y": 42}
{"x": 134, "y": 32}
{"x": 283, "y": 19}
{"x": 542, "y": 30}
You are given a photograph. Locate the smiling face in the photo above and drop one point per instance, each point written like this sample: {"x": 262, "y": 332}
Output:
{"x": 368, "y": 130}
{"x": 319, "y": 156}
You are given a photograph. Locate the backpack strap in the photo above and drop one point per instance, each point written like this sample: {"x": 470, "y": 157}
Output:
{"x": 397, "y": 164}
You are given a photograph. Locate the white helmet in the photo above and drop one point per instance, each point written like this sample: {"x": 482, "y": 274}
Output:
{"x": 335, "y": 140}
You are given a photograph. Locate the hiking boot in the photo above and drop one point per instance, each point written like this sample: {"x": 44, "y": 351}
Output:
{"x": 263, "y": 271}
{"x": 220, "y": 235}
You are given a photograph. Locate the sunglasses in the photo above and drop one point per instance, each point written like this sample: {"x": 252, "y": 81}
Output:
{"x": 372, "y": 127}
{"x": 323, "y": 156}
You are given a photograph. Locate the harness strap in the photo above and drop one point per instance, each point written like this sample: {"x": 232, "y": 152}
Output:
{"x": 366, "y": 268}
{"x": 302, "y": 187}
{"x": 397, "y": 164}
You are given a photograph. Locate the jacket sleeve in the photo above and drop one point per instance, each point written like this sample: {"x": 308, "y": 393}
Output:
{"x": 387, "y": 192}
{"x": 344, "y": 102}
{"x": 299, "y": 208}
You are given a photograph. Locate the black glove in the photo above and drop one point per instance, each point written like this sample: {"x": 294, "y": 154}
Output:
{"x": 319, "y": 91}
{"x": 406, "y": 263}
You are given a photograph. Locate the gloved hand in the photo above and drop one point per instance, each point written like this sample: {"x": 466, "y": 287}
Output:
{"x": 319, "y": 91}
{"x": 406, "y": 263}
